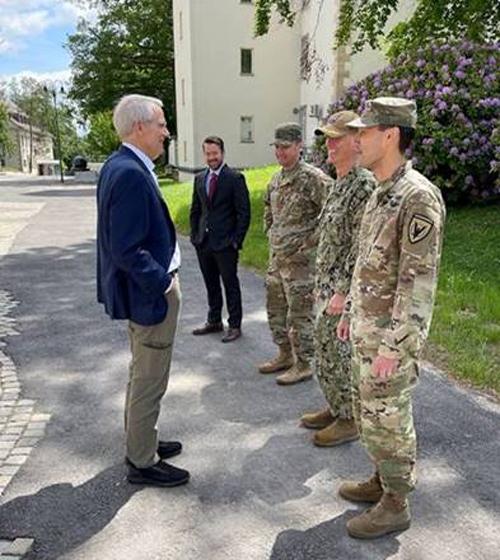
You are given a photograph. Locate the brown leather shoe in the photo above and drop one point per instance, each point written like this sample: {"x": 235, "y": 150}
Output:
{"x": 208, "y": 328}
{"x": 232, "y": 334}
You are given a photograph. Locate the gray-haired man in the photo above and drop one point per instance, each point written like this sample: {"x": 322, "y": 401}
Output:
{"x": 137, "y": 263}
{"x": 337, "y": 251}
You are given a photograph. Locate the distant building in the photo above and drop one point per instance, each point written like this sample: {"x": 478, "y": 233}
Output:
{"x": 239, "y": 87}
{"x": 31, "y": 149}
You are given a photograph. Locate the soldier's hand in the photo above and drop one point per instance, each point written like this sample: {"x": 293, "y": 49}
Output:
{"x": 343, "y": 331}
{"x": 336, "y": 305}
{"x": 384, "y": 367}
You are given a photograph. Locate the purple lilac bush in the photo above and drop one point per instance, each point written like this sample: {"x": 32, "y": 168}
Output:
{"x": 457, "y": 91}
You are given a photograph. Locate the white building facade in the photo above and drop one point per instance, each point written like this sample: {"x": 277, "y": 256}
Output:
{"x": 239, "y": 87}
{"x": 29, "y": 146}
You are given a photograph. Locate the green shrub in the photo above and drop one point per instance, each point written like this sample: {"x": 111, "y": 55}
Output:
{"x": 457, "y": 91}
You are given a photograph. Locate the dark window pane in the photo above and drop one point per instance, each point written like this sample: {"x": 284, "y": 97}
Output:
{"x": 246, "y": 61}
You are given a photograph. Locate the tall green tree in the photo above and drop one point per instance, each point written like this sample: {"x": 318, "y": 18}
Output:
{"x": 4, "y": 128}
{"x": 129, "y": 49}
{"x": 33, "y": 100}
{"x": 101, "y": 139}
{"x": 364, "y": 22}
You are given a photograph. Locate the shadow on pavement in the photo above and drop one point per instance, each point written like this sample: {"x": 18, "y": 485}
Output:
{"x": 76, "y": 366}
{"x": 329, "y": 541}
{"x": 71, "y": 192}
{"x": 76, "y": 513}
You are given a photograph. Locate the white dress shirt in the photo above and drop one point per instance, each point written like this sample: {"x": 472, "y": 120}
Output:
{"x": 175, "y": 262}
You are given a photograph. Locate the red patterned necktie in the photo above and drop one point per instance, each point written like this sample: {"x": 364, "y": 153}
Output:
{"x": 212, "y": 186}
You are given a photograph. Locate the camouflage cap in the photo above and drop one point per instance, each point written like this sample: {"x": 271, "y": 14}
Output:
{"x": 287, "y": 133}
{"x": 389, "y": 111}
{"x": 336, "y": 125}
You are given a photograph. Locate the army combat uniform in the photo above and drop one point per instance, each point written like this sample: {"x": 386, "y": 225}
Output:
{"x": 337, "y": 251}
{"x": 390, "y": 307}
{"x": 292, "y": 205}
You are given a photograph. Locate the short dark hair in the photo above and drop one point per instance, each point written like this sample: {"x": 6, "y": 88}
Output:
{"x": 217, "y": 140}
{"x": 406, "y": 136}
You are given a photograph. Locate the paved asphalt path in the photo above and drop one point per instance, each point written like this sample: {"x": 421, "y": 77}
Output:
{"x": 259, "y": 489}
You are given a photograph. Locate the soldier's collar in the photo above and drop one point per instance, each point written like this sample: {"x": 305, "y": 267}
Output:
{"x": 386, "y": 185}
{"x": 350, "y": 175}
{"x": 289, "y": 173}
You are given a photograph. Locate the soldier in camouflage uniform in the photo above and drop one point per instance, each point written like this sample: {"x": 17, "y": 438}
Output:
{"x": 388, "y": 312}
{"x": 337, "y": 251}
{"x": 293, "y": 201}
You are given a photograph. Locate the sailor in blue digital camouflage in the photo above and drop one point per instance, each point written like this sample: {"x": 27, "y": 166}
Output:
{"x": 293, "y": 201}
{"x": 339, "y": 223}
{"x": 388, "y": 311}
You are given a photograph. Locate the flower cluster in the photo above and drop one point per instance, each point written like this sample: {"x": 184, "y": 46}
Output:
{"x": 457, "y": 91}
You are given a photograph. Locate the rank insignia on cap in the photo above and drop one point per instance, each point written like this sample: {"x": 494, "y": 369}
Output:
{"x": 419, "y": 228}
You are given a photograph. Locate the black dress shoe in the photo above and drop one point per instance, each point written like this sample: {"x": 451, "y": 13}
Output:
{"x": 161, "y": 474}
{"x": 167, "y": 449}
{"x": 209, "y": 328}
{"x": 232, "y": 334}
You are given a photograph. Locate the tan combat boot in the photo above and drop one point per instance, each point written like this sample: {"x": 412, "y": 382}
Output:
{"x": 284, "y": 360}
{"x": 391, "y": 514}
{"x": 366, "y": 491}
{"x": 340, "y": 431}
{"x": 317, "y": 420}
{"x": 296, "y": 374}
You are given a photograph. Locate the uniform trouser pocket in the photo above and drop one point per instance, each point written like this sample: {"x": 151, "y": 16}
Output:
{"x": 385, "y": 416}
{"x": 151, "y": 348}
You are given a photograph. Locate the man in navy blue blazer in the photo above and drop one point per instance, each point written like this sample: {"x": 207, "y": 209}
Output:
{"x": 137, "y": 264}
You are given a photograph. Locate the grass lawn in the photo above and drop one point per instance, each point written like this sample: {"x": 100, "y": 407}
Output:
{"x": 466, "y": 325}
{"x": 465, "y": 333}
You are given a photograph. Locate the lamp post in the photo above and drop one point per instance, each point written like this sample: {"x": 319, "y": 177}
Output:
{"x": 53, "y": 92}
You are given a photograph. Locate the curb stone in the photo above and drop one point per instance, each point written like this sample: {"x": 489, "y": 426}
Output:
{"x": 21, "y": 427}
{"x": 15, "y": 549}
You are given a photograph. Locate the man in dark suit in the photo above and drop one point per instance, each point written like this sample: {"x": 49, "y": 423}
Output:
{"x": 220, "y": 217}
{"x": 137, "y": 263}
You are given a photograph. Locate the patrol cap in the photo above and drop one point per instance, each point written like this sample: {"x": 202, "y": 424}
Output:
{"x": 287, "y": 133}
{"x": 389, "y": 111}
{"x": 336, "y": 124}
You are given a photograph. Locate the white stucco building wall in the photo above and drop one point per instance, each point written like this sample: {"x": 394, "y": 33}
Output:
{"x": 317, "y": 24}
{"x": 212, "y": 93}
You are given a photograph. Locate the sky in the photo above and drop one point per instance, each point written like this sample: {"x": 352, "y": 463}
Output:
{"x": 32, "y": 35}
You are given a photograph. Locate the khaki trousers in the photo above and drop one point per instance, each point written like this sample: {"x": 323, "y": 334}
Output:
{"x": 149, "y": 369}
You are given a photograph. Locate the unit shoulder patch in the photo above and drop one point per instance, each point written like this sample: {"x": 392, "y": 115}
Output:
{"x": 419, "y": 228}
